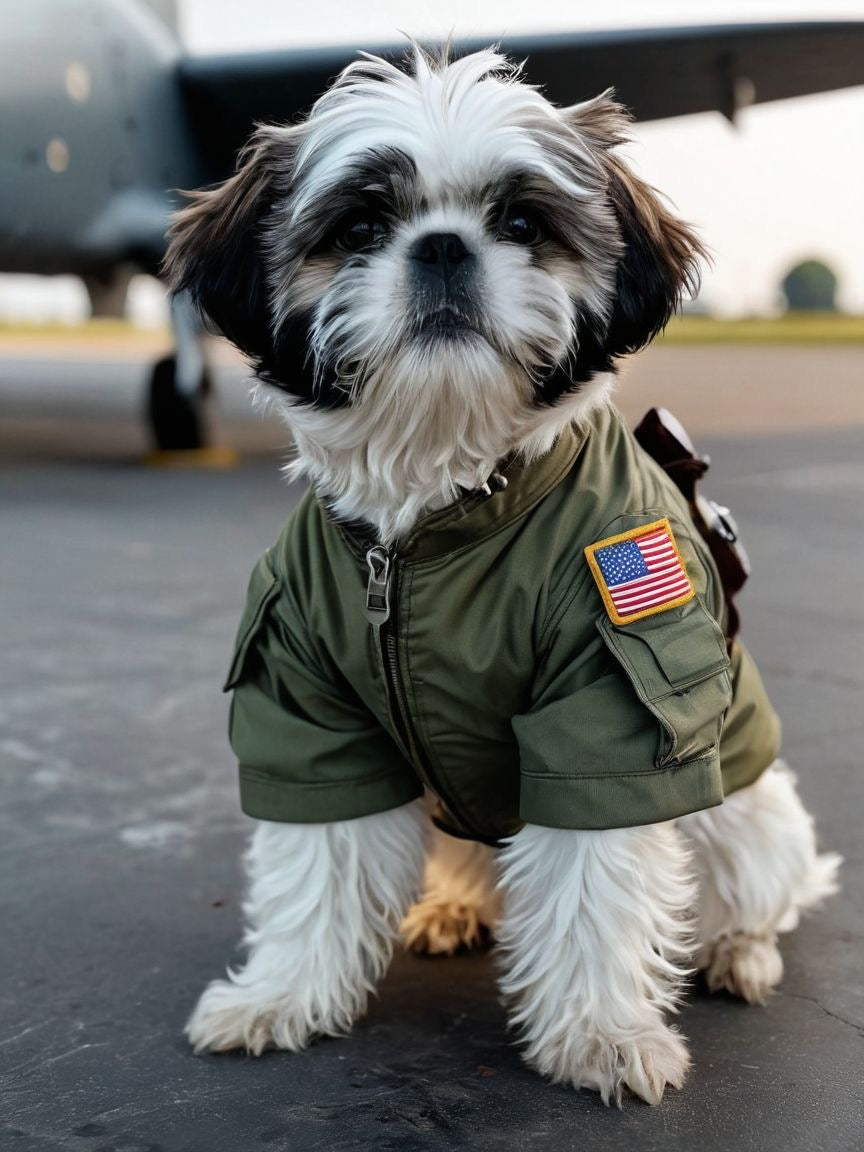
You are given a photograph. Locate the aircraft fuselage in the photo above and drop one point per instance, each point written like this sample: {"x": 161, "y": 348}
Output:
{"x": 94, "y": 136}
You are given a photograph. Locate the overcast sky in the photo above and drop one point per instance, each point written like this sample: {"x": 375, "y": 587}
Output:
{"x": 787, "y": 183}
{"x": 217, "y": 25}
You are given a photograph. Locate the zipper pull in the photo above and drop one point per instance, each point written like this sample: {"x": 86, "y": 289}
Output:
{"x": 378, "y": 560}
{"x": 497, "y": 482}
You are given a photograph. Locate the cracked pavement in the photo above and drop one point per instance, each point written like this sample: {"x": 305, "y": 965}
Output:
{"x": 120, "y": 885}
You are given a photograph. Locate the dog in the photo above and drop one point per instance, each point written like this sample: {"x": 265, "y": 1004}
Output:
{"x": 434, "y": 275}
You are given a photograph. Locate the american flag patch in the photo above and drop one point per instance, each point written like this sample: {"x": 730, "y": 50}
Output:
{"x": 640, "y": 572}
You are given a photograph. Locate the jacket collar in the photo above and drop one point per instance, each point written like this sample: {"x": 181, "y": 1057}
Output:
{"x": 478, "y": 515}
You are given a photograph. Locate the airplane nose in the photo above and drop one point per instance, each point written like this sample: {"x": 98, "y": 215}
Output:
{"x": 440, "y": 253}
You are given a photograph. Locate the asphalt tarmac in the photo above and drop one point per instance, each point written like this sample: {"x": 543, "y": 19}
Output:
{"x": 120, "y": 831}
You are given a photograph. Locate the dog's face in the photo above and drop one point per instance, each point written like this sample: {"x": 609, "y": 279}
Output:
{"x": 430, "y": 269}
{"x": 443, "y": 220}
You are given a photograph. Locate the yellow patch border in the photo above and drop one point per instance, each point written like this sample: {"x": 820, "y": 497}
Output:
{"x": 601, "y": 583}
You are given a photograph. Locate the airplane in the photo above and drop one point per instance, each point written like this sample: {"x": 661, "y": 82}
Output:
{"x": 105, "y": 117}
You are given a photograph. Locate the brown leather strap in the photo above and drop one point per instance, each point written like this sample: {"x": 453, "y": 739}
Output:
{"x": 666, "y": 441}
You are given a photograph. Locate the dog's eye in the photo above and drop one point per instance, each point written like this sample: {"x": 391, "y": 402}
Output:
{"x": 520, "y": 226}
{"x": 361, "y": 231}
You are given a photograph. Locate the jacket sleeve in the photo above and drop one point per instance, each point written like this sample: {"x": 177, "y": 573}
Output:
{"x": 625, "y": 722}
{"x": 308, "y": 748}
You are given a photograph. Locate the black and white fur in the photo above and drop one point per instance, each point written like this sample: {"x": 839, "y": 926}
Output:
{"x": 436, "y": 269}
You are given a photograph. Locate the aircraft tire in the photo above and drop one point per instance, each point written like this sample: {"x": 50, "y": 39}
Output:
{"x": 176, "y": 418}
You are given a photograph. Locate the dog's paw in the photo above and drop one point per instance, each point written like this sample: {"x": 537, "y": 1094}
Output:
{"x": 230, "y": 1016}
{"x": 642, "y": 1064}
{"x": 440, "y": 928}
{"x": 746, "y": 966}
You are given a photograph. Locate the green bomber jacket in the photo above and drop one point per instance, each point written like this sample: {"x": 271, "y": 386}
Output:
{"x": 500, "y": 656}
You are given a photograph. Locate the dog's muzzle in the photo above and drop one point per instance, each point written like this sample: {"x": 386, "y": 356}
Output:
{"x": 444, "y": 282}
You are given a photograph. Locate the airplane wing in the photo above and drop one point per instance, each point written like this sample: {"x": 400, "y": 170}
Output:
{"x": 657, "y": 72}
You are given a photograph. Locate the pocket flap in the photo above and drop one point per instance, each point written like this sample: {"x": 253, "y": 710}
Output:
{"x": 679, "y": 668}
{"x": 669, "y": 651}
{"x": 263, "y": 590}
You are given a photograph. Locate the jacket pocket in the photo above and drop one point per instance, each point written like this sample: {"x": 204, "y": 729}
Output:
{"x": 263, "y": 590}
{"x": 679, "y": 668}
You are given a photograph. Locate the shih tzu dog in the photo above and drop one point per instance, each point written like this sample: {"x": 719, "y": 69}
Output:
{"x": 433, "y": 275}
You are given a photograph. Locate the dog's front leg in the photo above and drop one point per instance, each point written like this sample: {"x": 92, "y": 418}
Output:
{"x": 594, "y": 928}
{"x": 324, "y": 906}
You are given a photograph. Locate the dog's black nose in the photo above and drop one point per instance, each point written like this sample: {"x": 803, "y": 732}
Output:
{"x": 441, "y": 253}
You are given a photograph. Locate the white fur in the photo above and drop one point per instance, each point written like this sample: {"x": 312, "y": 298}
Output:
{"x": 458, "y": 122}
{"x": 592, "y": 937}
{"x": 758, "y": 868}
{"x": 324, "y": 906}
{"x": 385, "y": 462}
{"x": 591, "y": 942}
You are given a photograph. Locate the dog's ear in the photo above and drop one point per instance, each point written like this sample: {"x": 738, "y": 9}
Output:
{"x": 602, "y": 122}
{"x": 661, "y": 254}
{"x": 659, "y": 265}
{"x": 214, "y": 249}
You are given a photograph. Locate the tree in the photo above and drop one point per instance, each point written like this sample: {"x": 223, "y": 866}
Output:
{"x": 810, "y": 286}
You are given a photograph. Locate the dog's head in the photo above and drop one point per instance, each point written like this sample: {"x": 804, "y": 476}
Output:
{"x": 436, "y": 236}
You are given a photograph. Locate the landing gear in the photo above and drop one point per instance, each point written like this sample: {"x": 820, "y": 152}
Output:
{"x": 180, "y": 385}
{"x": 176, "y": 415}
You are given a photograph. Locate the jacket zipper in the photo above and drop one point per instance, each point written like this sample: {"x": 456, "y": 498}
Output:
{"x": 380, "y": 590}
{"x": 380, "y": 601}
